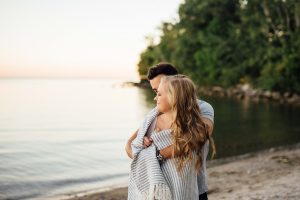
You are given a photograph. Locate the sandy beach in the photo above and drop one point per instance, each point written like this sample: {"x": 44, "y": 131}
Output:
{"x": 270, "y": 174}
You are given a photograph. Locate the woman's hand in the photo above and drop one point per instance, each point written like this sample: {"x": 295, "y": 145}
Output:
{"x": 128, "y": 144}
{"x": 147, "y": 141}
{"x": 128, "y": 149}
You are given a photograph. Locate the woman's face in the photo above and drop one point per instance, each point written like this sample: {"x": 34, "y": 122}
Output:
{"x": 161, "y": 99}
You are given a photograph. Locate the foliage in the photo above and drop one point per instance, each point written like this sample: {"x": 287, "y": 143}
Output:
{"x": 226, "y": 42}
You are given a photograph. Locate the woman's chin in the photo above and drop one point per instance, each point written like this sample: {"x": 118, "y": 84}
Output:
{"x": 159, "y": 109}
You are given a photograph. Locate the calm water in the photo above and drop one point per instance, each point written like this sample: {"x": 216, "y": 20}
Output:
{"x": 58, "y": 137}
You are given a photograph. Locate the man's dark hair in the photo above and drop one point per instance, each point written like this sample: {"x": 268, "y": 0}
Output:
{"x": 161, "y": 68}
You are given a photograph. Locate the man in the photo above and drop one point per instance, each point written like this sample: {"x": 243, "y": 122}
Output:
{"x": 154, "y": 75}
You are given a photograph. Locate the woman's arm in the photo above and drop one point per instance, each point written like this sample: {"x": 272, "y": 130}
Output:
{"x": 128, "y": 144}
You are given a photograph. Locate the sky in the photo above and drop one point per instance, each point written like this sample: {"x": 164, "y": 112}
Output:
{"x": 78, "y": 38}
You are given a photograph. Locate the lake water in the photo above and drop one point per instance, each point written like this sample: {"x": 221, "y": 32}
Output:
{"x": 60, "y": 137}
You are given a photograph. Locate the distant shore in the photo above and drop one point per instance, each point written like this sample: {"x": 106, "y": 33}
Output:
{"x": 241, "y": 92}
{"x": 269, "y": 174}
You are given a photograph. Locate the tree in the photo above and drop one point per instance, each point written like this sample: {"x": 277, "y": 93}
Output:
{"x": 226, "y": 42}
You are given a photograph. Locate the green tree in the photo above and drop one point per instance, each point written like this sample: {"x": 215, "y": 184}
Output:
{"x": 226, "y": 42}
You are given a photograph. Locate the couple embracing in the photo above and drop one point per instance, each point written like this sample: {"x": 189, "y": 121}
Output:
{"x": 169, "y": 149}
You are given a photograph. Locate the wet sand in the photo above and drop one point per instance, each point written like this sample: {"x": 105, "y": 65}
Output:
{"x": 271, "y": 174}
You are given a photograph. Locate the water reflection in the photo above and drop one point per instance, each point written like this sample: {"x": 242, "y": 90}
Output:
{"x": 245, "y": 126}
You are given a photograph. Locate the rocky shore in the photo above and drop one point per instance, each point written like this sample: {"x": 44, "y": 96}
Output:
{"x": 257, "y": 95}
{"x": 273, "y": 174}
{"x": 241, "y": 92}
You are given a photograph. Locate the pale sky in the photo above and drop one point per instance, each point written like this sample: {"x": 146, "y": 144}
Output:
{"x": 87, "y": 38}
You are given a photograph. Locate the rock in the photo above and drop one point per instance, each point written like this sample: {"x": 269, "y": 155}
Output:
{"x": 235, "y": 91}
{"x": 222, "y": 94}
{"x": 245, "y": 92}
{"x": 295, "y": 99}
{"x": 217, "y": 89}
{"x": 209, "y": 93}
{"x": 245, "y": 87}
{"x": 287, "y": 95}
{"x": 271, "y": 149}
{"x": 259, "y": 93}
{"x": 276, "y": 96}
{"x": 229, "y": 92}
{"x": 252, "y": 93}
{"x": 267, "y": 94}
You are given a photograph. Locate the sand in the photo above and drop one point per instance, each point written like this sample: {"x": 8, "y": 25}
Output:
{"x": 270, "y": 174}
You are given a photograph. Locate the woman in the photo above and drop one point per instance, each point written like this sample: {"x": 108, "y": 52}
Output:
{"x": 175, "y": 122}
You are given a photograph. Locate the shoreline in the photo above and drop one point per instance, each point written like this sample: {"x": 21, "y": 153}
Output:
{"x": 268, "y": 174}
{"x": 239, "y": 92}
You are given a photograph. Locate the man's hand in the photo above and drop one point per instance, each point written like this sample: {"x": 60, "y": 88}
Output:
{"x": 167, "y": 152}
{"x": 147, "y": 141}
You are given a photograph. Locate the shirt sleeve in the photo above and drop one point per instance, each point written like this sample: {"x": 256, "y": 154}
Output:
{"x": 206, "y": 109}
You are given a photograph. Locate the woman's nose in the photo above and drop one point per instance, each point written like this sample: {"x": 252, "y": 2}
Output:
{"x": 155, "y": 98}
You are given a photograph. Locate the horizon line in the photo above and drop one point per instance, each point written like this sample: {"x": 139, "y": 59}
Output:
{"x": 65, "y": 77}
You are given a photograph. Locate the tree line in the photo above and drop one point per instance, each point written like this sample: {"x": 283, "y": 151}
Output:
{"x": 230, "y": 42}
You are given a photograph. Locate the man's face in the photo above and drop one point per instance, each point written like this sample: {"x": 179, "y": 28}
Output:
{"x": 155, "y": 82}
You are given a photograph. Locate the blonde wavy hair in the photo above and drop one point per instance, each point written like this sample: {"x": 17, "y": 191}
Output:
{"x": 189, "y": 131}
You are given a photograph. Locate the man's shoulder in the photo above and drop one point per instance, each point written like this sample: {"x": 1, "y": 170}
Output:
{"x": 204, "y": 104}
{"x": 206, "y": 109}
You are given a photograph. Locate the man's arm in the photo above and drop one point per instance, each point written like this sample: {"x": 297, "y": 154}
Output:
{"x": 128, "y": 144}
{"x": 167, "y": 152}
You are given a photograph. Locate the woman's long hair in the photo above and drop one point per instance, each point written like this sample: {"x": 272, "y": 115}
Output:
{"x": 189, "y": 131}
